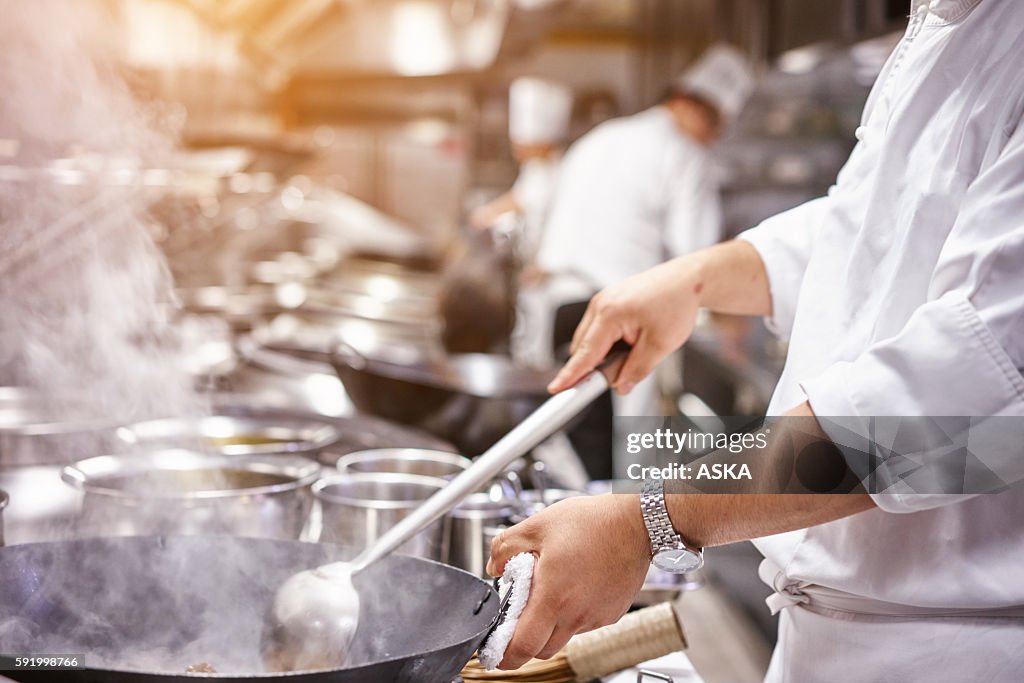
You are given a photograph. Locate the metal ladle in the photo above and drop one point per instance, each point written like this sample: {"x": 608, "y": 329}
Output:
{"x": 316, "y": 612}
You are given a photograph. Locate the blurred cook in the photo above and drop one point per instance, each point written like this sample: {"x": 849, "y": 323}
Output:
{"x": 901, "y": 293}
{"x": 639, "y": 190}
{"x": 539, "y": 114}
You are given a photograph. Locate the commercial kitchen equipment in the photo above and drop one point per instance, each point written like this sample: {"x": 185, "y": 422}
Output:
{"x": 187, "y": 492}
{"x": 316, "y": 612}
{"x": 357, "y": 508}
{"x": 144, "y": 609}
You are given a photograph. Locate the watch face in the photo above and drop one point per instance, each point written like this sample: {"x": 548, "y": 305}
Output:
{"x": 678, "y": 560}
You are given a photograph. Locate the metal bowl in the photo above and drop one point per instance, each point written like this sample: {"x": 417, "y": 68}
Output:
{"x": 357, "y": 508}
{"x": 405, "y": 461}
{"x": 189, "y": 493}
{"x": 252, "y": 434}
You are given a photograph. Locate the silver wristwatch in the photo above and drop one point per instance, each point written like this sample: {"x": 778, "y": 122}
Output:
{"x": 668, "y": 551}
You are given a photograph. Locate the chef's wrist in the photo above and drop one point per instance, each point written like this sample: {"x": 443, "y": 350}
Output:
{"x": 682, "y": 504}
{"x": 692, "y": 276}
{"x": 631, "y": 523}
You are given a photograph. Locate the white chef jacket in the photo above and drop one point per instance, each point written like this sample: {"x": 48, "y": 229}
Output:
{"x": 634, "y": 192}
{"x": 902, "y": 293}
{"x": 533, "y": 191}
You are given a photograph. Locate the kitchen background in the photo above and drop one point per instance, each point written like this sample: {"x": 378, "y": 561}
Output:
{"x": 307, "y": 169}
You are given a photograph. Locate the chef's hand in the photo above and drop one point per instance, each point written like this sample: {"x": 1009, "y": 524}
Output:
{"x": 592, "y": 556}
{"x": 654, "y": 312}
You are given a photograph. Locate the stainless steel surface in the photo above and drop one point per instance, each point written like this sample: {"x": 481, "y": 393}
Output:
{"x": 473, "y": 525}
{"x": 252, "y": 434}
{"x": 316, "y": 612}
{"x": 42, "y": 507}
{"x": 184, "y": 492}
{"x": 38, "y": 436}
{"x": 405, "y": 461}
{"x": 37, "y": 429}
{"x": 542, "y": 423}
{"x": 313, "y": 331}
{"x": 357, "y": 509}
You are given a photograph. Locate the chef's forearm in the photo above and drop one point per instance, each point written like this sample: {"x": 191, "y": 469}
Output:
{"x": 730, "y": 278}
{"x": 755, "y": 507}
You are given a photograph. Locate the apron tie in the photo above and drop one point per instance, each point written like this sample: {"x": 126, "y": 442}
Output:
{"x": 787, "y": 591}
{"x": 832, "y": 602}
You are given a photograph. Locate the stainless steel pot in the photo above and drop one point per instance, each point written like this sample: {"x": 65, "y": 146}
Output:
{"x": 184, "y": 492}
{"x": 266, "y": 433}
{"x": 533, "y": 501}
{"x": 357, "y": 508}
{"x": 37, "y": 438}
{"x": 404, "y": 461}
{"x": 473, "y": 525}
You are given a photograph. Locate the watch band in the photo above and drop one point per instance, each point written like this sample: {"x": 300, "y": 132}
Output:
{"x": 656, "y": 519}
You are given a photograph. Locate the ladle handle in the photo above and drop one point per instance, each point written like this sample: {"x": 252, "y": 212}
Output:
{"x": 551, "y": 416}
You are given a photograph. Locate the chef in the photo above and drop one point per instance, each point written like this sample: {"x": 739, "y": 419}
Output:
{"x": 540, "y": 111}
{"x": 638, "y": 190}
{"x": 901, "y": 293}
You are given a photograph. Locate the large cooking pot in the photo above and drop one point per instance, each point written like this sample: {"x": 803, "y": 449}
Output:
{"x": 37, "y": 438}
{"x": 145, "y": 608}
{"x": 251, "y": 433}
{"x": 184, "y": 492}
{"x": 356, "y": 509}
{"x": 419, "y": 461}
{"x": 470, "y": 399}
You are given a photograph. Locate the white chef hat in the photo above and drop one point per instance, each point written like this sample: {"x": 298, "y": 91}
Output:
{"x": 723, "y": 77}
{"x": 539, "y": 111}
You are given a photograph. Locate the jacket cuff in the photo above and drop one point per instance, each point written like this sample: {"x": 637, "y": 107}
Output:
{"x": 785, "y": 274}
{"x": 885, "y": 409}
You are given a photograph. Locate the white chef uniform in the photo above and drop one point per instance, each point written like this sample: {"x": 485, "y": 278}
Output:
{"x": 633, "y": 192}
{"x": 902, "y": 293}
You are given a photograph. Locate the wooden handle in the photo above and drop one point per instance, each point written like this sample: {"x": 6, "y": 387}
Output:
{"x": 639, "y": 636}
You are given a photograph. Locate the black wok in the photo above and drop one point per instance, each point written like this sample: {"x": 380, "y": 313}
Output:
{"x": 469, "y": 399}
{"x": 145, "y": 608}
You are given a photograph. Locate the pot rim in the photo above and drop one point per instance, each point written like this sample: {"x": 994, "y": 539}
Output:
{"x": 167, "y": 431}
{"x": 345, "y": 462}
{"x": 324, "y": 496}
{"x": 82, "y": 474}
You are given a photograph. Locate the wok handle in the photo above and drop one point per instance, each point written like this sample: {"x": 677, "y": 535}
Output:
{"x": 638, "y": 637}
{"x": 551, "y": 416}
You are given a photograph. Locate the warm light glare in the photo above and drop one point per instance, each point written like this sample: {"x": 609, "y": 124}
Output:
{"x": 421, "y": 43}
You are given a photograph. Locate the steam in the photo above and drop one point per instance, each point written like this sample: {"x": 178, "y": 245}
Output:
{"x": 84, "y": 291}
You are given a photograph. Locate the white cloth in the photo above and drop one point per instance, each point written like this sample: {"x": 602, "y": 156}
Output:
{"x": 902, "y": 293}
{"x": 633, "y": 192}
{"x": 517, "y": 578}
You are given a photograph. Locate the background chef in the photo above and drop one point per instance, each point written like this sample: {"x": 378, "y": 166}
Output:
{"x": 539, "y": 114}
{"x": 901, "y": 293}
{"x": 638, "y": 190}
